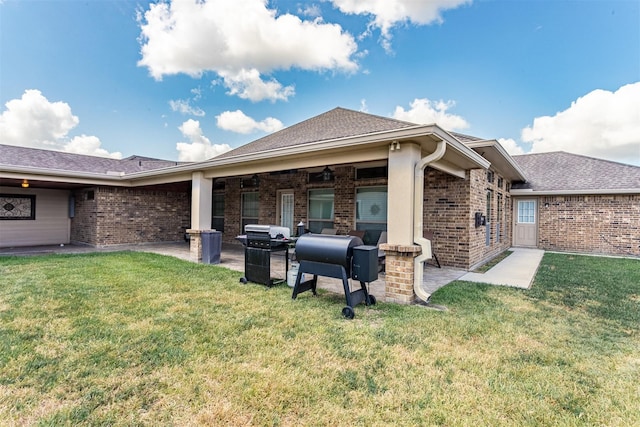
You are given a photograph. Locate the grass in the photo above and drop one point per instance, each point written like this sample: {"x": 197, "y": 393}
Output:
{"x": 493, "y": 262}
{"x": 129, "y": 339}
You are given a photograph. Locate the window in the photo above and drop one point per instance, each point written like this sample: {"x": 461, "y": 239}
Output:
{"x": 489, "y": 176}
{"x": 489, "y": 216}
{"x": 250, "y": 209}
{"x": 17, "y": 206}
{"x": 489, "y": 204}
{"x": 526, "y": 212}
{"x": 371, "y": 212}
{"x": 499, "y": 219}
{"x": 320, "y": 209}
{"x": 217, "y": 212}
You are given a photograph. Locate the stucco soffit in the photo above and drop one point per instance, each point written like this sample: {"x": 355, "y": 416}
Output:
{"x": 499, "y": 158}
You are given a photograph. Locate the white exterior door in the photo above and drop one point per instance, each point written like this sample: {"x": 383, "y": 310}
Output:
{"x": 286, "y": 206}
{"x": 525, "y": 232}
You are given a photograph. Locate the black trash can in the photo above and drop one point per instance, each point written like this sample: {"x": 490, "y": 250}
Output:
{"x": 211, "y": 247}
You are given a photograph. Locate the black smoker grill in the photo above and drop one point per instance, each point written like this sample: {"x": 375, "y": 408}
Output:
{"x": 259, "y": 242}
{"x": 339, "y": 257}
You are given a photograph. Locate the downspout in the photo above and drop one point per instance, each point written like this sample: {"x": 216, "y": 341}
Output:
{"x": 418, "y": 213}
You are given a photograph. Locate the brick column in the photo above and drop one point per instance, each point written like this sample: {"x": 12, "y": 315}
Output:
{"x": 195, "y": 244}
{"x": 399, "y": 272}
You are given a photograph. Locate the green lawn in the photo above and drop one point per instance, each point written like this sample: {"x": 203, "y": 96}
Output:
{"x": 143, "y": 339}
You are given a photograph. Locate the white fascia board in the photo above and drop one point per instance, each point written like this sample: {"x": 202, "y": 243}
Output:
{"x": 529, "y": 192}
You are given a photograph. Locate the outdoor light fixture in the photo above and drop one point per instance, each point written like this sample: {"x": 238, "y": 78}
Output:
{"x": 255, "y": 180}
{"x": 395, "y": 145}
{"x": 327, "y": 174}
{"x": 25, "y": 183}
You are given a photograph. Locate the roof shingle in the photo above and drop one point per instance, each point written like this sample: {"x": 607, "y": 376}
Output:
{"x": 61, "y": 161}
{"x": 336, "y": 123}
{"x": 561, "y": 171}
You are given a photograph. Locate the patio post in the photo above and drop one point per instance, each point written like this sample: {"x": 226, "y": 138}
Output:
{"x": 201, "y": 195}
{"x": 400, "y": 250}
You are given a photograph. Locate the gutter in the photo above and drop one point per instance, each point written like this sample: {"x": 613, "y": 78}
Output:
{"x": 418, "y": 206}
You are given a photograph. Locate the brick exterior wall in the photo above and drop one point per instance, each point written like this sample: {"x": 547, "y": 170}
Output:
{"x": 232, "y": 204}
{"x": 344, "y": 214}
{"x": 449, "y": 207}
{"x": 84, "y": 223}
{"x": 598, "y": 224}
{"x": 129, "y": 216}
{"x": 125, "y": 216}
{"x": 344, "y": 186}
{"x": 446, "y": 212}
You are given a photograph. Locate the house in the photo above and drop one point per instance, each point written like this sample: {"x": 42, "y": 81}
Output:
{"x": 342, "y": 169}
{"x": 577, "y": 204}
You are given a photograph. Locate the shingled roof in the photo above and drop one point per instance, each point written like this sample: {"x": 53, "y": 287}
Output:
{"x": 561, "y": 171}
{"x": 334, "y": 124}
{"x": 57, "y": 160}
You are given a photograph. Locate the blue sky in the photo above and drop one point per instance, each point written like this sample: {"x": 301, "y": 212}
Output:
{"x": 187, "y": 80}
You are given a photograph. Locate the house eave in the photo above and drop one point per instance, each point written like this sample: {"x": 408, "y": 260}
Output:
{"x": 305, "y": 155}
{"x": 315, "y": 153}
{"x": 74, "y": 177}
{"x": 499, "y": 157}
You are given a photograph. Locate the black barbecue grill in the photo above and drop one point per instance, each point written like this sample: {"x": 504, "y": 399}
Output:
{"x": 340, "y": 257}
{"x": 259, "y": 242}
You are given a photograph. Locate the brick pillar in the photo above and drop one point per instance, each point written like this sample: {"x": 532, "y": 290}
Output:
{"x": 195, "y": 244}
{"x": 399, "y": 272}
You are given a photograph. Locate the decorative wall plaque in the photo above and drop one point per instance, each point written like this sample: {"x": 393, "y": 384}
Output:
{"x": 17, "y": 206}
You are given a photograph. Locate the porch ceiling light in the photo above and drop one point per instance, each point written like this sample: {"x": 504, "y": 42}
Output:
{"x": 327, "y": 174}
{"x": 25, "y": 183}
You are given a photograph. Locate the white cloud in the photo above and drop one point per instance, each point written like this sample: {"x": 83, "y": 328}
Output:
{"x": 363, "y": 106}
{"x": 247, "y": 84}
{"x": 389, "y": 13}
{"x": 229, "y": 36}
{"x": 90, "y": 145}
{"x": 511, "y": 146}
{"x": 199, "y": 146}
{"x": 33, "y": 121}
{"x": 424, "y": 111}
{"x": 600, "y": 124}
{"x": 311, "y": 10}
{"x": 237, "y": 121}
{"x": 184, "y": 106}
